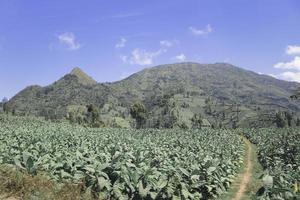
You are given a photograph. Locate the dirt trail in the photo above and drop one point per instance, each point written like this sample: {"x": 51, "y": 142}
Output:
{"x": 246, "y": 176}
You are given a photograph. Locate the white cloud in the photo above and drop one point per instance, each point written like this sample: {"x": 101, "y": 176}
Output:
{"x": 142, "y": 57}
{"x": 208, "y": 29}
{"x": 181, "y": 57}
{"x": 166, "y": 43}
{"x": 292, "y": 50}
{"x": 124, "y": 58}
{"x": 294, "y": 64}
{"x": 290, "y": 76}
{"x": 69, "y": 40}
{"x": 121, "y": 43}
{"x": 273, "y": 75}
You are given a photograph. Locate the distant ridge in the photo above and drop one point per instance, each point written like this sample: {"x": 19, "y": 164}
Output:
{"x": 222, "y": 94}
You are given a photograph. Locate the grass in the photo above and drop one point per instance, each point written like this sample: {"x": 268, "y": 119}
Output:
{"x": 19, "y": 185}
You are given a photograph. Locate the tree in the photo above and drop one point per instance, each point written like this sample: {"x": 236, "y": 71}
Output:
{"x": 207, "y": 107}
{"x": 289, "y": 118}
{"x": 197, "y": 121}
{"x": 71, "y": 117}
{"x": 139, "y": 112}
{"x": 298, "y": 122}
{"x": 279, "y": 121}
{"x": 296, "y": 95}
{"x": 4, "y": 100}
{"x": 171, "y": 120}
{"x": 93, "y": 114}
{"x": 4, "y": 104}
{"x": 234, "y": 124}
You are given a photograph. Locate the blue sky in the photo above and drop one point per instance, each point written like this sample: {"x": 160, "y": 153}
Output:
{"x": 40, "y": 41}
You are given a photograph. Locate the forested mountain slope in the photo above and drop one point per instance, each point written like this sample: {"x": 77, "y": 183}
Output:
{"x": 220, "y": 94}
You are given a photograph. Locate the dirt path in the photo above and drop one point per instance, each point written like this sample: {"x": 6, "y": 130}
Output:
{"x": 246, "y": 176}
{"x": 247, "y": 182}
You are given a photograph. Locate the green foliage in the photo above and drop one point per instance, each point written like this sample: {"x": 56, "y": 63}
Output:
{"x": 207, "y": 107}
{"x": 93, "y": 113}
{"x": 207, "y": 89}
{"x": 279, "y": 154}
{"x": 296, "y": 94}
{"x": 289, "y": 118}
{"x": 86, "y": 115}
{"x": 279, "y": 121}
{"x": 82, "y": 77}
{"x": 197, "y": 121}
{"x": 124, "y": 163}
{"x": 3, "y": 105}
{"x": 298, "y": 122}
{"x": 139, "y": 112}
{"x": 119, "y": 122}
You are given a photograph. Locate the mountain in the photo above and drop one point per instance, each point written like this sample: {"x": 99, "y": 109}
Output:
{"x": 82, "y": 77}
{"x": 222, "y": 94}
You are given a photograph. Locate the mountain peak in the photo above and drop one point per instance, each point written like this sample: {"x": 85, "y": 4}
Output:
{"x": 83, "y": 78}
{"x": 76, "y": 71}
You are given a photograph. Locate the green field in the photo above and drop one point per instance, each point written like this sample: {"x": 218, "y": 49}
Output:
{"x": 125, "y": 164}
{"x": 279, "y": 155}
{"x": 147, "y": 164}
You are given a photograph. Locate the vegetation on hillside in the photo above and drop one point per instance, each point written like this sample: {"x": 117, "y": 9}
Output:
{"x": 223, "y": 95}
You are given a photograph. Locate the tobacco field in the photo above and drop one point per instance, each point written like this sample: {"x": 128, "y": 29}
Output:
{"x": 124, "y": 163}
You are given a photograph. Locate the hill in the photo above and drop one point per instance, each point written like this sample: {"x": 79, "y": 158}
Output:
{"x": 222, "y": 94}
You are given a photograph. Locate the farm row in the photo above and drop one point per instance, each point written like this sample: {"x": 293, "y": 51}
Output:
{"x": 125, "y": 163}
{"x": 279, "y": 155}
